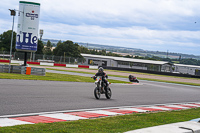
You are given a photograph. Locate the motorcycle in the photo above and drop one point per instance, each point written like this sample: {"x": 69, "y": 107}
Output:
{"x": 133, "y": 79}
{"x": 100, "y": 88}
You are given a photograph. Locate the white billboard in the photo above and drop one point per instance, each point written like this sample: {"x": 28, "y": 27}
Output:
{"x": 28, "y": 25}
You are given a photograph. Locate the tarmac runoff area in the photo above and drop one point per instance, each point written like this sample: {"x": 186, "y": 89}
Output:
{"x": 192, "y": 126}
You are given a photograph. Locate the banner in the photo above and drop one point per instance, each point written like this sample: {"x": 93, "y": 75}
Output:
{"x": 28, "y": 24}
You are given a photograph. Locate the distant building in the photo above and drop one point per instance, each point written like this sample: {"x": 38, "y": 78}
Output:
{"x": 160, "y": 66}
{"x": 187, "y": 69}
{"x": 111, "y": 61}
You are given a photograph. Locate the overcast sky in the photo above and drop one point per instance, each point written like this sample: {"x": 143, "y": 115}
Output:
{"x": 157, "y": 25}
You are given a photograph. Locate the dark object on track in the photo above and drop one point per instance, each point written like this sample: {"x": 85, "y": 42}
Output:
{"x": 133, "y": 79}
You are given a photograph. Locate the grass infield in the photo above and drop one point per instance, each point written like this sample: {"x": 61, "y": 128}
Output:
{"x": 53, "y": 77}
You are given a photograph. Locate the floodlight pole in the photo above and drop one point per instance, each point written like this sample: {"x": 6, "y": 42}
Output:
{"x": 12, "y": 14}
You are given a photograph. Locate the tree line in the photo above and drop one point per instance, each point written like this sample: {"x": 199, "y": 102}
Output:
{"x": 66, "y": 48}
{"x": 70, "y": 49}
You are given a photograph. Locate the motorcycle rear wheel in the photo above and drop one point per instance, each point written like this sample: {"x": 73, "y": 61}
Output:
{"x": 108, "y": 93}
{"x": 97, "y": 93}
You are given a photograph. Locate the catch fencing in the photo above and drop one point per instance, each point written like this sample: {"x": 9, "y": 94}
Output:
{"x": 32, "y": 57}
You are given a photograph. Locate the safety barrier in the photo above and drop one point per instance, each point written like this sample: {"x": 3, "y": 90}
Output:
{"x": 5, "y": 61}
{"x": 23, "y": 70}
{"x": 51, "y": 64}
{"x": 13, "y": 69}
{"x": 33, "y": 71}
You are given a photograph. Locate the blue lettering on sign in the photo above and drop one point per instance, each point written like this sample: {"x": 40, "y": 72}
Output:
{"x": 32, "y": 15}
{"x": 29, "y": 42}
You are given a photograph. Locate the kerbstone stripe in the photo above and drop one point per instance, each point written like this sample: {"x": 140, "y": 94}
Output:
{"x": 38, "y": 119}
{"x": 192, "y": 105}
{"x": 87, "y": 114}
{"x": 105, "y": 112}
{"x": 95, "y": 113}
{"x": 177, "y": 106}
{"x": 11, "y": 122}
{"x": 121, "y": 111}
{"x": 63, "y": 116}
{"x": 157, "y": 107}
{"x": 134, "y": 109}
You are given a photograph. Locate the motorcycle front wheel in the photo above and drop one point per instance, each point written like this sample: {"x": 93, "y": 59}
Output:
{"x": 97, "y": 93}
{"x": 108, "y": 93}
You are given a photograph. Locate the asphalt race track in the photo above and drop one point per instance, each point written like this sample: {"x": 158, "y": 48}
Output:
{"x": 31, "y": 96}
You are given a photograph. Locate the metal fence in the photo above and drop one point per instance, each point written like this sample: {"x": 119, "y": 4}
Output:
{"x": 40, "y": 57}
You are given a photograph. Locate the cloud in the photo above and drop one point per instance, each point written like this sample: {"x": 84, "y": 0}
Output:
{"x": 147, "y": 24}
{"x": 135, "y": 34}
{"x": 5, "y": 25}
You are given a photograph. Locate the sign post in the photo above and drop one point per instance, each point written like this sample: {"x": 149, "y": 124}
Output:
{"x": 27, "y": 29}
{"x": 12, "y": 13}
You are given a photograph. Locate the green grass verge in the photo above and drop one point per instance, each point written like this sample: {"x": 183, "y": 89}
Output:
{"x": 117, "y": 124}
{"x": 52, "y": 77}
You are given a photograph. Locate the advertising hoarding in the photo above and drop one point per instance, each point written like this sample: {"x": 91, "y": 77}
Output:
{"x": 97, "y": 62}
{"x": 28, "y": 25}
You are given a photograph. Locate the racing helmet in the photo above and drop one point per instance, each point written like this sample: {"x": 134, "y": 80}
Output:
{"x": 100, "y": 69}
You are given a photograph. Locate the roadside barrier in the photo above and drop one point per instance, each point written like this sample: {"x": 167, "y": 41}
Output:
{"x": 33, "y": 71}
{"x": 51, "y": 64}
{"x": 13, "y": 69}
{"x": 5, "y": 61}
{"x": 22, "y": 70}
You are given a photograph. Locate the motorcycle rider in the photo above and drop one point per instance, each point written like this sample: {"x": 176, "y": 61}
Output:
{"x": 103, "y": 74}
{"x": 133, "y": 78}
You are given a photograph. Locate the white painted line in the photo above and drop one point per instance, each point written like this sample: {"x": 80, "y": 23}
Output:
{"x": 133, "y": 109}
{"x": 104, "y": 112}
{"x": 11, "y": 122}
{"x": 63, "y": 116}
